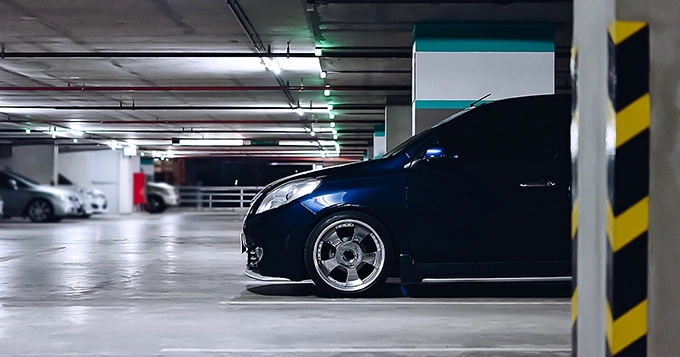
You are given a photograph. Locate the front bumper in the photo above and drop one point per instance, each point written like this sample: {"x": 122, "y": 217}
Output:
{"x": 281, "y": 234}
{"x": 171, "y": 199}
{"x": 64, "y": 208}
{"x": 99, "y": 205}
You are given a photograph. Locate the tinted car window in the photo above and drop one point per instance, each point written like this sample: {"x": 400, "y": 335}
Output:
{"x": 500, "y": 132}
{"x": 64, "y": 181}
{"x": 4, "y": 181}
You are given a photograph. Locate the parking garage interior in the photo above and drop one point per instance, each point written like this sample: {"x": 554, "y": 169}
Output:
{"x": 139, "y": 137}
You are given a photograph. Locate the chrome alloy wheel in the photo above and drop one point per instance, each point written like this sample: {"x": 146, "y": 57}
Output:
{"x": 349, "y": 255}
{"x": 39, "y": 211}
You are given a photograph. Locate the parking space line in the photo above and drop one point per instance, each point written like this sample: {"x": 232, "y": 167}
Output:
{"x": 372, "y": 350}
{"x": 363, "y": 302}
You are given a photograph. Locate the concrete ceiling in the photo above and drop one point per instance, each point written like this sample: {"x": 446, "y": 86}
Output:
{"x": 150, "y": 71}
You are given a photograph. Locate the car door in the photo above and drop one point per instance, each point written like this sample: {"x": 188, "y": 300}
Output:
{"x": 490, "y": 188}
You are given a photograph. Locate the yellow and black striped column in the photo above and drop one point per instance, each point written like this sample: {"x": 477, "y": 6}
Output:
{"x": 628, "y": 189}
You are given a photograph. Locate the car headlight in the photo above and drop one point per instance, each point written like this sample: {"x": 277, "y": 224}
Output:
{"x": 287, "y": 192}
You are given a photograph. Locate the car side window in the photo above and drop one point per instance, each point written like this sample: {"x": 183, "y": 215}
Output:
{"x": 503, "y": 133}
{"x": 4, "y": 181}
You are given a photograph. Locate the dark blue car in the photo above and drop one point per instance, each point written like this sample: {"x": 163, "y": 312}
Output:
{"x": 483, "y": 194}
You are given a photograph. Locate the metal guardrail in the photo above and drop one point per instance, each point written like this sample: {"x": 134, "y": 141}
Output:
{"x": 217, "y": 196}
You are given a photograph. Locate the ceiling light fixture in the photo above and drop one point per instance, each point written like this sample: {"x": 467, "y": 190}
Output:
{"x": 335, "y": 136}
{"x": 330, "y": 107}
{"x": 272, "y": 65}
{"x": 331, "y": 116}
{"x": 323, "y": 74}
{"x": 28, "y": 131}
{"x": 332, "y": 124}
{"x": 210, "y": 142}
{"x": 312, "y": 133}
{"x": 318, "y": 52}
{"x": 300, "y": 111}
{"x": 75, "y": 141}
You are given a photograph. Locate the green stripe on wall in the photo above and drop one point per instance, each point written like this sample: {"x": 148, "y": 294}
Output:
{"x": 445, "y": 104}
{"x": 484, "y": 37}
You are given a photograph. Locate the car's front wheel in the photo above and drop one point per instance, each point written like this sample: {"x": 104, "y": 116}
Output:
{"x": 40, "y": 210}
{"x": 155, "y": 204}
{"x": 349, "y": 254}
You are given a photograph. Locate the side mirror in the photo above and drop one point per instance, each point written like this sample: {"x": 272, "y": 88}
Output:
{"x": 438, "y": 153}
{"x": 13, "y": 184}
{"x": 435, "y": 157}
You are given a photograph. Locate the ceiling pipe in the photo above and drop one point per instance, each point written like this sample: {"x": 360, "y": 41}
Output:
{"x": 186, "y": 122}
{"x": 327, "y": 53}
{"x": 134, "y": 107}
{"x": 201, "y": 88}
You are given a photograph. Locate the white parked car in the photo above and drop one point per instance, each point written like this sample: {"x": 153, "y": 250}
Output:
{"x": 160, "y": 196}
{"x": 94, "y": 200}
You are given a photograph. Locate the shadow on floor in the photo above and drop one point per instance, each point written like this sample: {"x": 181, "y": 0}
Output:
{"x": 434, "y": 290}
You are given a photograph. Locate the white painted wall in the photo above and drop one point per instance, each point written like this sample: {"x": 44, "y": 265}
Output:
{"x": 471, "y": 75}
{"x": 77, "y": 167}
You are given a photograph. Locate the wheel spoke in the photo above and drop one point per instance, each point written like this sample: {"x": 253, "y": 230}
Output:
{"x": 333, "y": 240}
{"x": 359, "y": 234}
{"x": 329, "y": 265}
{"x": 369, "y": 258}
{"x": 353, "y": 278}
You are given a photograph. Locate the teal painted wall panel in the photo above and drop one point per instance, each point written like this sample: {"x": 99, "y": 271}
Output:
{"x": 484, "y": 37}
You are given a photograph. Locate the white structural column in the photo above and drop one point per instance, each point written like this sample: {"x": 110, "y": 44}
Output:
{"x": 127, "y": 166}
{"x": 378, "y": 141}
{"x": 591, "y": 19}
{"x": 455, "y": 64}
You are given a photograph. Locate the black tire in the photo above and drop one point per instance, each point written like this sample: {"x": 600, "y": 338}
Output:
{"x": 371, "y": 256}
{"x": 85, "y": 215}
{"x": 40, "y": 210}
{"x": 155, "y": 204}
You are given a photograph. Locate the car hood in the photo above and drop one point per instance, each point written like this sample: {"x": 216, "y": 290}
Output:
{"x": 57, "y": 191}
{"x": 335, "y": 171}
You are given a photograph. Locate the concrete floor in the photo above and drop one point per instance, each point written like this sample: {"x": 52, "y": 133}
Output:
{"x": 172, "y": 285}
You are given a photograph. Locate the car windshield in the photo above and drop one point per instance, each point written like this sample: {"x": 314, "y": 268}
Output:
{"x": 22, "y": 178}
{"x": 414, "y": 138}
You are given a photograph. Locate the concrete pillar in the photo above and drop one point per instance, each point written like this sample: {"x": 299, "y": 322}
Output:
{"x": 127, "y": 166}
{"x": 663, "y": 18}
{"x": 38, "y": 162}
{"x": 591, "y": 19}
{"x": 456, "y": 64}
{"x": 379, "y": 141}
{"x": 398, "y": 121}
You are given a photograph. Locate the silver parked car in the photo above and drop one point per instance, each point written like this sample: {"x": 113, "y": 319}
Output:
{"x": 24, "y": 197}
